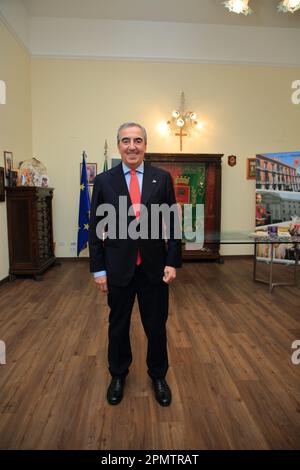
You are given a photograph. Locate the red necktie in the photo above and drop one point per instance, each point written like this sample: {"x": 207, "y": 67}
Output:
{"x": 135, "y": 196}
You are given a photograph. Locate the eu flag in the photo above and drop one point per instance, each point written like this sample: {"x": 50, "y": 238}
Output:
{"x": 84, "y": 210}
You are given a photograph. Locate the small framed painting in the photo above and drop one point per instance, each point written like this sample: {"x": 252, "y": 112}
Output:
{"x": 91, "y": 172}
{"x": 251, "y": 165}
{"x": 115, "y": 161}
{"x": 8, "y": 162}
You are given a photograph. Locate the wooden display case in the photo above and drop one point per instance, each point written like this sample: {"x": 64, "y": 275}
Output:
{"x": 197, "y": 180}
{"x": 30, "y": 230}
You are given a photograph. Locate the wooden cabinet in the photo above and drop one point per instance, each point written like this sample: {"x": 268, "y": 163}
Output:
{"x": 197, "y": 181}
{"x": 30, "y": 230}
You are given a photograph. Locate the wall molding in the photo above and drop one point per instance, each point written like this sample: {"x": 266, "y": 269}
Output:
{"x": 165, "y": 60}
{"x": 151, "y": 41}
{"x": 164, "y": 42}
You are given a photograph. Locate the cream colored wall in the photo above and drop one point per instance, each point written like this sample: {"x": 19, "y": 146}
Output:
{"x": 15, "y": 118}
{"x": 77, "y": 104}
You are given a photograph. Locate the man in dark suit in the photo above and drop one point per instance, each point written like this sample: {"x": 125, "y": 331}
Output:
{"x": 134, "y": 264}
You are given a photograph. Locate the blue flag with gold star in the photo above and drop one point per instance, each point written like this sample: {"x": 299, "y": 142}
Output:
{"x": 84, "y": 209}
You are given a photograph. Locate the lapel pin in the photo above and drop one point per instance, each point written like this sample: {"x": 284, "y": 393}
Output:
{"x": 153, "y": 181}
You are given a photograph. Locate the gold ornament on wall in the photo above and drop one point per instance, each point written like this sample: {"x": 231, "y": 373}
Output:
{"x": 182, "y": 122}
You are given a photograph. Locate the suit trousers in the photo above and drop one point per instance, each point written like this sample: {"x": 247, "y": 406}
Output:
{"x": 153, "y": 305}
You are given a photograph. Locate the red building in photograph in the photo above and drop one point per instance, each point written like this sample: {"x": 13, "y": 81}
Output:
{"x": 274, "y": 174}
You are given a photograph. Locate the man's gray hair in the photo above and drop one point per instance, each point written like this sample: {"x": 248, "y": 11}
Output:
{"x": 131, "y": 124}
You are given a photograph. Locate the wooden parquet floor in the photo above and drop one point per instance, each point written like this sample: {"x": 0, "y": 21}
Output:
{"x": 233, "y": 382}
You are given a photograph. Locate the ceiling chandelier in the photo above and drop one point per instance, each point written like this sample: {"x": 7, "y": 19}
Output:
{"x": 289, "y": 6}
{"x": 241, "y": 6}
{"x": 238, "y": 6}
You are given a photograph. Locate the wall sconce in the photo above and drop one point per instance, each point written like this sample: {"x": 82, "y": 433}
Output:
{"x": 238, "y": 6}
{"x": 181, "y": 122}
{"x": 2, "y": 92}
{"x": 289, "y": 6}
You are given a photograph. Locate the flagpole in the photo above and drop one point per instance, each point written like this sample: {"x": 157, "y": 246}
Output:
{"x": 105, "y": 165}
{"x": 84, "y": 208}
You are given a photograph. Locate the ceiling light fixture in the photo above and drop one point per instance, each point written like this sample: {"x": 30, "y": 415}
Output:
{"x": 238, "y": 6}
{"x": 289, "y": 6}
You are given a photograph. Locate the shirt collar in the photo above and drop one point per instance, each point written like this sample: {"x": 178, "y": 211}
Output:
{"x": 126, "y": 169}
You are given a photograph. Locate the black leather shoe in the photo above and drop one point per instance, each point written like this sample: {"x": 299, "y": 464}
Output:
{"x": 162, "y": 392}
{"x": 115, "y": 390}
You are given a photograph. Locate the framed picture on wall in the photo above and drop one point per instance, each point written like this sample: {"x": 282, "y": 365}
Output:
{"x": 277, "y": 202}
{"x": 115, "y": 161}
{"x": 91, "y": 172}
{"x": 251, "y": 165}
{"x": 8, "y": 162}
{"x": 2, "y": 190}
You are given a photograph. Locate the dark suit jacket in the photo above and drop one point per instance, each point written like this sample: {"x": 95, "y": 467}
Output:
{"x": 118, "y": 256}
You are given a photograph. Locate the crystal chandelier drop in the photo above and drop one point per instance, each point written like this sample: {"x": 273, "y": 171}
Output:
{"x": 238, "y": 6}
{"x": 289, "y": 6}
